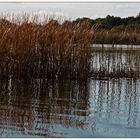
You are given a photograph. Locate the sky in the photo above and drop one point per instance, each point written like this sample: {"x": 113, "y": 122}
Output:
{"x": 74, "y": 10}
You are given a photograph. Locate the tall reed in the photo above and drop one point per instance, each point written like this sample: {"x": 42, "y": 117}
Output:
{"x": 50, "y": 50}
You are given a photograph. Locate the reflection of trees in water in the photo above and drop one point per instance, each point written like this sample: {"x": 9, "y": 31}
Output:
{"x": 37, "y": 107}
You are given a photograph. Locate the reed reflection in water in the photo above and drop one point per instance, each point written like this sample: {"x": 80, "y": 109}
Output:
{"x": 115, "y": 62}
{"x": 91, "y": 108}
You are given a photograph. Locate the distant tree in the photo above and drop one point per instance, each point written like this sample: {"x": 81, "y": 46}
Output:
{"x": 110, "y": 22}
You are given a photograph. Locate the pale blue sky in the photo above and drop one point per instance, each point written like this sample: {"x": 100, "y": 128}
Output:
{"x": 74, "y": 10}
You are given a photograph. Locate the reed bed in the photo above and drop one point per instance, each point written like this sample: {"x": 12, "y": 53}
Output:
{"x": 115, "y": 62}
{"x": 49, "y": 50}
{"x": 116, "y": 37}
{"x": 52, "y": 50}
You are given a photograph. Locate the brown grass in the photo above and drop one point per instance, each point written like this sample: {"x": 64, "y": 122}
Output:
{"x": 52, "y": 50}
{"x": 116, "y": 37}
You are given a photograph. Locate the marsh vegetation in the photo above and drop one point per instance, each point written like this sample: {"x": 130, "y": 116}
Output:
{"x": 30, "y": 50}
{"x": 62, "y": 79}
{"x": 50, "y": 50}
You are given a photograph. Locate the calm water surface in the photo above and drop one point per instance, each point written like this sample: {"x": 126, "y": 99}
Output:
{"x": 92, "y": 108}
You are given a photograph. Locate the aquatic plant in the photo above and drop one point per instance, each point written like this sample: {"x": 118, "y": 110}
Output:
{"x": 49, "y": 50}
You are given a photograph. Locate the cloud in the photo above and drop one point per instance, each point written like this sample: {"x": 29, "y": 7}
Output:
{"x": 74, "y": 10}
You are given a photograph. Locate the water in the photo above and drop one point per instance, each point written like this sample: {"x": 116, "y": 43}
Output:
{"x": 90, "y": 108}
{"x": 64, "y": 108}
{"x": 116, "y": 46}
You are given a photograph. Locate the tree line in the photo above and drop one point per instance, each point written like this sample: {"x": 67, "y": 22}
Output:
{"x": 112, "y": 22}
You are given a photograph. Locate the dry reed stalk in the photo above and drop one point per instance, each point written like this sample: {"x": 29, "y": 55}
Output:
{"x": 53, "y": 50}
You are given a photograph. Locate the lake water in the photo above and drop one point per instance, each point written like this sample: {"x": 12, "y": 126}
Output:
{"x": 115, "y": 45}
{"x": 90, "y": 108}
